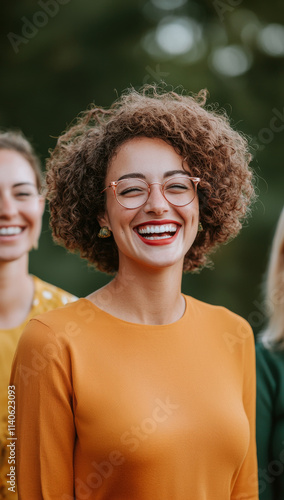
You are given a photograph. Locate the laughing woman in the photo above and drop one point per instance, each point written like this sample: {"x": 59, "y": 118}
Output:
{"x": 141, "y": 392}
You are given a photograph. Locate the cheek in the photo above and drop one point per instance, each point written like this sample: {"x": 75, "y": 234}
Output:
{"x": 34, "y": 215}
{"x": 194, "y": 210}
{"x": 119, "y": 218}
{"x": 191, "y": 213}
{"x": 195, "y": 205}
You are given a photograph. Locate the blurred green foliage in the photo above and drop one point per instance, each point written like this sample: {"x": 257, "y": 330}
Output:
{"x": 57, "y": 56}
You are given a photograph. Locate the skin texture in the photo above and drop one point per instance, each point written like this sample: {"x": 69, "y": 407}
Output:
{"x": 152, "y": 158}
{"x": 156, "y": 270}
{"x": 20, "y": 205}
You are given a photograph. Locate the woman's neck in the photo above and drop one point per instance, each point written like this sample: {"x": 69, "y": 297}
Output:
{"x": 16, "y": 292}
{"x": 147, "y": 296}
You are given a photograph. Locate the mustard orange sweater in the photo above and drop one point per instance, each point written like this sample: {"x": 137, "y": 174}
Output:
{"x": 112, "y": 410}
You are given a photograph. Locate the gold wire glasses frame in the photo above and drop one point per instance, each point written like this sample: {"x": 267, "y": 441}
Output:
{"x": 134, "y": 193}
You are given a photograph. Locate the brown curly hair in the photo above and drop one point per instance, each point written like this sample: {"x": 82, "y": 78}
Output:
{"x": 77, "y": 168}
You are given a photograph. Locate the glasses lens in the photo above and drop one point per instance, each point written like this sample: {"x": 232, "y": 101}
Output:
{"x": 132, "y": 193}
{"x": 179, "y": 191}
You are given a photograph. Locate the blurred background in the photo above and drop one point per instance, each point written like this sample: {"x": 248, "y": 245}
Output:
{"x": 57, "y": 56}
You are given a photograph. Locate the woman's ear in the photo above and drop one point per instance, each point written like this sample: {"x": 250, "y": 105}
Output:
{"x": 103, "y": 220}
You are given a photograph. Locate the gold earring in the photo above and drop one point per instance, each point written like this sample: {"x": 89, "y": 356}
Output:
{"x": 104, "y": 232}
{"x": 200, "y": 227}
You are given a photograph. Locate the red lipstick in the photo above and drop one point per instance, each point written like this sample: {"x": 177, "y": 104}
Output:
{"x": 158, "y": 232}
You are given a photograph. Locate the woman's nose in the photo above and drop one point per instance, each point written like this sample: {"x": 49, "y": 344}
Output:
{"x": 156, "y": 202}
{"x": 7, "y": 206}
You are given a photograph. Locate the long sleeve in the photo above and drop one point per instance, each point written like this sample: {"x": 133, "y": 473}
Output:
{"x": 246, "y": 486}
{"x": 45, "y": 428}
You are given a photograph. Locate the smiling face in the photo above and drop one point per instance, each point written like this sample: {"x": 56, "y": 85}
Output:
{"x": 157, "y": 234}
{"x": 21, "y": 207}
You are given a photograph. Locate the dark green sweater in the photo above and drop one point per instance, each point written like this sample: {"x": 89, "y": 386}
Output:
{"x": 270, "y": 422}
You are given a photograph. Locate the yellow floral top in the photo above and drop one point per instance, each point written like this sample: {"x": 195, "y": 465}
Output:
{"x": 46, "y": 297}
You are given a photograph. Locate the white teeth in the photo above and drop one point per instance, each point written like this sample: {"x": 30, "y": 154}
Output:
{"x": 8, "y": 231}
{"x": 164, "y": 228}
{"x": 157, "y": 237}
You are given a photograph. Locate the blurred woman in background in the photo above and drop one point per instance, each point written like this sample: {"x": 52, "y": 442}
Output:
{"x": 270, "y": 378}
{"x": 22, "y": 295}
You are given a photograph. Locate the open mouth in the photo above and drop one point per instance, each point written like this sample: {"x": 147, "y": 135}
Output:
{"x": 10, "y": 230}
{"x": 155, "y": 233}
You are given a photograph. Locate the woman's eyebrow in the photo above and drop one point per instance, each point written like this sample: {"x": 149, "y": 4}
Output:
{"x": 133, "y": 175}
{"x": 23, "y": 184}
{"x": 142, "y": 176}
{"x": 174, "y": 172}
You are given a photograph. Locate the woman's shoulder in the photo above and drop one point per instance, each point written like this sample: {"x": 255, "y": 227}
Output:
{"x": 60, "y": 314}
{"x": 55, "y": 326}
{"x": 269, "y": 373}
{"x": 217, "y": 312}
{"x": 231, "y": 332}
{"x": 270, "y": 356}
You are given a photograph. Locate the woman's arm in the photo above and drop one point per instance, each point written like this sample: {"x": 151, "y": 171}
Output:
{"x": 45, "y": 430}
{"x": 246, "y": 485}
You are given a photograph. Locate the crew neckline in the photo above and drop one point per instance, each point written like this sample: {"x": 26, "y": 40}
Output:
{"x": 110, "y": 316}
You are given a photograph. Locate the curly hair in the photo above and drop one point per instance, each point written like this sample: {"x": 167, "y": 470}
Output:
{"x": 16, "y": 141}
{"x": 219, "y": 155}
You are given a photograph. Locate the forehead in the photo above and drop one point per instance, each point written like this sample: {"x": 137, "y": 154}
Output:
{"x": 14, "y": 168}
{"x": 145, "y": 156}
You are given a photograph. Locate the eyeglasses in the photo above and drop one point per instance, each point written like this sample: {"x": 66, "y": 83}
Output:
{"x": 134, "y": 193}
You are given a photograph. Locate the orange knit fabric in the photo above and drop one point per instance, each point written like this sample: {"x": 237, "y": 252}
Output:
{"x": 108, "y": 409}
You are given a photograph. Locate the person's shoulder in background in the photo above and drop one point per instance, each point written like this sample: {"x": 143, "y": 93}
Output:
{"x": 49, "y": 296}
{"x": 271, "y": 359}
